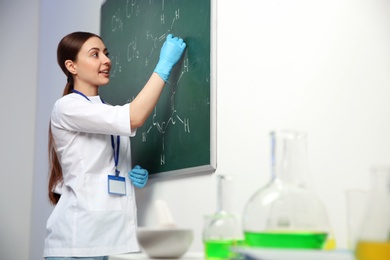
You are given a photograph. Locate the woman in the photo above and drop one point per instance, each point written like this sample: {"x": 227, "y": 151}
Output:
{"x": 91, "y": 181}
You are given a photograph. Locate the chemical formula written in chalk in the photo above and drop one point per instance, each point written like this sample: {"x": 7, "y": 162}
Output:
{"x": 133, "y": 53}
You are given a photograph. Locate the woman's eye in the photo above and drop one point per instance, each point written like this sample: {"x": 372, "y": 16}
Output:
{"x": 107, "y": 54}
{"x": 95, "y": 54}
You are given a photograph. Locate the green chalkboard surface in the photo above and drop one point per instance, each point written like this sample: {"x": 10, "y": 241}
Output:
{"x": 179, "y": 136}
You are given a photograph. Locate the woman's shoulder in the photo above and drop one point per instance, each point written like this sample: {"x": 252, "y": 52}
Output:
{"x": 69, "y": 98}
{"x": 68, "y": 103}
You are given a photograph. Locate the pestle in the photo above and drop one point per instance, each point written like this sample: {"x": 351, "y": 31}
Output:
{"x": 164, "y": 215}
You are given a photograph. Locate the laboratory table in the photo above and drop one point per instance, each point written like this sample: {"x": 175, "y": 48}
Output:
{"x": 187, "y": 256}
{"x": 263, "y": 254}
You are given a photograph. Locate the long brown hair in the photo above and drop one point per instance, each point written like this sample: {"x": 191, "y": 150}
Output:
{"x": 67, "y": 49}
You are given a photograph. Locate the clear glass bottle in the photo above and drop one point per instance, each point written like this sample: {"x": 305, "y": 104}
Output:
{"x": 373, "y": 241}
{"x": 286, "y": 213}
{"x": 222, "y": 230}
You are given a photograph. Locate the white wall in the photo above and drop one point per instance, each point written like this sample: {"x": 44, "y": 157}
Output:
{"x": 318, "y": 66}
{"x": 18, "y": 74}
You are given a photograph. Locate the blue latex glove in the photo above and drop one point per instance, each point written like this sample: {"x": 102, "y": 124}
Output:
{"x": 138, "y": 176}
{"x": 170, "y": 54}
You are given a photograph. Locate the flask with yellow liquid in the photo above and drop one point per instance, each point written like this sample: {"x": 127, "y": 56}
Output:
{"x": 286, "y": 213}
{"x": 373, "y": 242}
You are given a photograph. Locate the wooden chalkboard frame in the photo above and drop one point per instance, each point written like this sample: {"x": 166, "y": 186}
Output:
{"x": 212, "y": 165}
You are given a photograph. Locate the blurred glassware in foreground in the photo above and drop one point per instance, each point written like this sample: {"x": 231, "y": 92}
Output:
{"x": 356, "y": 203}
{"x": 286, "y": 213}
{"x": 222, "y": 230}
{"x": 373, "y": 242}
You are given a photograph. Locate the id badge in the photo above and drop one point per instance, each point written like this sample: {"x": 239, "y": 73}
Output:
{"x": 116, "y": 185}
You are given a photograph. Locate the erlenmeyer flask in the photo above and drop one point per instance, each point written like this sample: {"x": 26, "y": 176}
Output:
{"x": 374, "y": 239}
{"x": 222, "y": 230}
{"x": 286, "y": 213}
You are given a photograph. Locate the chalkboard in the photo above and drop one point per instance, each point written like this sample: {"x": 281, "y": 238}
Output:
{"x": 180, "y": 135}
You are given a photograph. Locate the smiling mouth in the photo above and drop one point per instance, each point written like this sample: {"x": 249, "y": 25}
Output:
{"x": 105, "y": 72}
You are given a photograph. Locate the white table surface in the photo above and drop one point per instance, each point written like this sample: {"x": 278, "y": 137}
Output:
{"x": 295, "y": 254}
{"x": 262, "y": 254}
{"x": 187, "y": 256}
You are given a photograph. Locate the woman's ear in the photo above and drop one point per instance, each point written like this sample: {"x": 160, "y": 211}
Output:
{"x": 70, "y": 66}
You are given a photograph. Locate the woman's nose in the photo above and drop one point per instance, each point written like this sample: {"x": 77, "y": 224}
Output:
{"x": 106, "y": 59}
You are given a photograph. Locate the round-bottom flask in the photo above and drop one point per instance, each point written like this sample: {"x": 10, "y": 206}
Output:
{"x": 222, "y": 230}
{"x": 286, "y": 213}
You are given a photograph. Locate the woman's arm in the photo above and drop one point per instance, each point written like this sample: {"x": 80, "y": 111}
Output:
{"x": 146, "y": 100}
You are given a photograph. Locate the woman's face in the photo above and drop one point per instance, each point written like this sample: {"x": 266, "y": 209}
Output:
{"x": 92, "y": 65}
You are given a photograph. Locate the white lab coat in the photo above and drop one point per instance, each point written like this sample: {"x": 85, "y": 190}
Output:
{"x": 88, "y": 221}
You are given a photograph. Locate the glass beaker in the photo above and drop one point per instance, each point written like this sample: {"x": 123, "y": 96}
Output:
{"x": 374, "y": 237}
{"x": 222, "y": 230}
{"x": 286, "y": 213}
{"x": 356, "y": 205}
